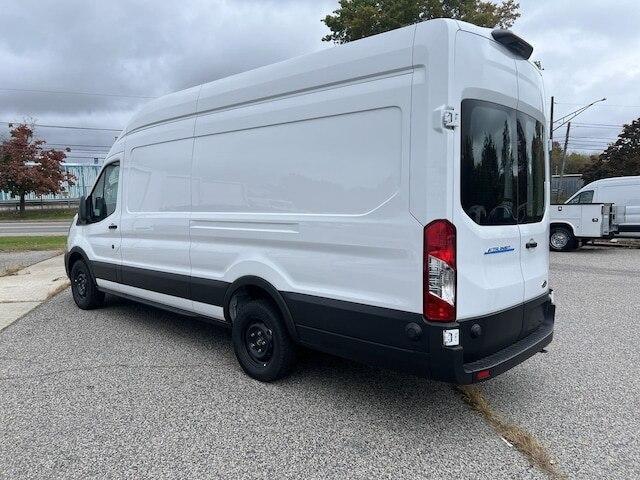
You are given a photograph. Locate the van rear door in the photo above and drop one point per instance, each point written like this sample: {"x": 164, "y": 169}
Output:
{"x": 489, "y": 273}
{"x": 533, "y": 183}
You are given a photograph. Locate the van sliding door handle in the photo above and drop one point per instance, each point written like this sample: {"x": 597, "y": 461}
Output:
{"x": 113, "y": 226}
{"x": 532, "y": 244}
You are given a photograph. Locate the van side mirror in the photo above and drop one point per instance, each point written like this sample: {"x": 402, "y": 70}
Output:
{"x": 83, "y": 210}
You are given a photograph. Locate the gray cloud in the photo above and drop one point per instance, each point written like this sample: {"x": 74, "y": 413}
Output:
{"x": 149, "y": 48}
{"x": 590, "y": 49}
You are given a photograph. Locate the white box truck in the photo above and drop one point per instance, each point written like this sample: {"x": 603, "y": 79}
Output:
{"x": 574, "y": 224}
{"x": 623, "y": 193}
{"x": 385, "y": 200}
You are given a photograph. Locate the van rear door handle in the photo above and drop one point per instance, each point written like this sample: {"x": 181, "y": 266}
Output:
{"x": 532, "y": 244}
{"x": 113, "y": 226}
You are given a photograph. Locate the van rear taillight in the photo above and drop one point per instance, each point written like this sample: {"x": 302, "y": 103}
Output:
{"x": 439, "y": 272}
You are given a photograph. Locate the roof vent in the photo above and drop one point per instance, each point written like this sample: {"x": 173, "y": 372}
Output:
{"x": 513, "y": 42}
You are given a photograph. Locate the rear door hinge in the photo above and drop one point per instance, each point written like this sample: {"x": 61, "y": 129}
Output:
{"x": 450, "y": 118}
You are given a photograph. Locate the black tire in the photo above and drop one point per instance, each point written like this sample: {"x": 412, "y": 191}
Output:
{"x": 83, "y": 287}
{"x": 261, "y": 341}
{"x": 561, "y": 239}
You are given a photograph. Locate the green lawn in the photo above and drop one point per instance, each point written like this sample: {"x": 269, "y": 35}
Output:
{"x": 24, "y": 244}
{"x": 39, "y": 214}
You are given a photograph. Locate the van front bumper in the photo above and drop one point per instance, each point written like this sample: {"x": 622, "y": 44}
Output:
{"x": 466, "y": 363}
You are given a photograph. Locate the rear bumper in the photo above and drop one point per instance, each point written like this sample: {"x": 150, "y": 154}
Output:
{"x": 450, "y": 365}
{"x": 462, "y": 364}
{"x": 379, "y": 337}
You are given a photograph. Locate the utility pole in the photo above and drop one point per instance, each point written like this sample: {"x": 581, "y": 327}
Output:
{"x": 551, "y": 139}
{"x": 566, "y": 120}
{"x": 551, "y": 128}
{"x": 564, "y": 157}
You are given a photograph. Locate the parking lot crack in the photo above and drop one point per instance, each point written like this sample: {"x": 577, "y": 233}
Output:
{"x": 512, "y": 434}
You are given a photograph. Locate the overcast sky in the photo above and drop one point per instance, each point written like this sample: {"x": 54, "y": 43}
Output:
{"x": 589, "y": 49}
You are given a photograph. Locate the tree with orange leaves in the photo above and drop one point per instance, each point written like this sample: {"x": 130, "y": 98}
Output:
{"x": 27, "y": 166}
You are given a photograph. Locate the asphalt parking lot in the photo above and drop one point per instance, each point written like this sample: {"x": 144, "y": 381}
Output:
{"x": 133, "y": 392}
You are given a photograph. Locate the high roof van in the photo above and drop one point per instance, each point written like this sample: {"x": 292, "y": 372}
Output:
{"x": 386, "y": 201}
{"x": 623, "y": 192}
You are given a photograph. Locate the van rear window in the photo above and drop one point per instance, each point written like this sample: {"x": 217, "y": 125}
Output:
{"x": 503, "y": 165}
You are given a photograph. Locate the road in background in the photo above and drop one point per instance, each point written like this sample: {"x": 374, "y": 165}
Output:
{"x": 131, "y": 391}
{"x": 28, "y": 228}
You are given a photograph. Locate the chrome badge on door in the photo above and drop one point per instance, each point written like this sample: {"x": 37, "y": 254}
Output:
{"x": 503, "y": 249}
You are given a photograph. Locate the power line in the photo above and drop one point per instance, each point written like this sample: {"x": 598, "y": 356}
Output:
{"x": 605, "y": 127}
{"x": 596, "y": 138}
{"x": 601, "y": 105}
{"x": 588, "y": 149}
{"x": 63, "y": 92}
{"x": 589, "y": 140}
{"x": 69, "y": 127}
{"x": 600, "y": 124}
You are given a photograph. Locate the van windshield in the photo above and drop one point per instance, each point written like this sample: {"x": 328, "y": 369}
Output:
{"x": 503, "y": 165}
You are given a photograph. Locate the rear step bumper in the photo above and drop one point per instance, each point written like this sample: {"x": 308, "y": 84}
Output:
{"x": 507, "y": 338}
{"x": 511, "y": 356}
{"x": 448, "y": 363}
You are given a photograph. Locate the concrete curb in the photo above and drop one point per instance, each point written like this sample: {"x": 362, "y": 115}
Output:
{"x": 24, "y": 290}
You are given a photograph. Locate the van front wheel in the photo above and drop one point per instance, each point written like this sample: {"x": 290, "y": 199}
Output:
{"x": 261, "y": 342}
{"x": 561, "y": 239}
{"x": 83, "y": 287}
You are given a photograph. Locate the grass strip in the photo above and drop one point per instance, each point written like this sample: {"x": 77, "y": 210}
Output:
{"x": 33, "y": 243}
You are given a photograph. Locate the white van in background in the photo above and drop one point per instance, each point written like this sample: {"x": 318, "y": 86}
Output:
{"x": 623, "y": 192}
{"x": 385, "y": 200}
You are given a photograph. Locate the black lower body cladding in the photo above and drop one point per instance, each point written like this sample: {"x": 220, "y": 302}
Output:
{"x": 379, "y": 336}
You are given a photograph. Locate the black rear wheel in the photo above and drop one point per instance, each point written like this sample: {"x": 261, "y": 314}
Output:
{"x": 261, "y": 341}
{"x": 83, "y": 287}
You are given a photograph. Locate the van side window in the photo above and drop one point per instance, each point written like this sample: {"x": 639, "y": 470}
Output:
{"x": 488, "y": 175}
{"x": 105, "y": 193}
{"x": 582, "y": 197}
{"x": 111, "y": 188}
{"x": 531, "y": 169}
{"x": 97, "y": 207}
{"x": 502, "y": 165}
{"x": 586, "y": 196}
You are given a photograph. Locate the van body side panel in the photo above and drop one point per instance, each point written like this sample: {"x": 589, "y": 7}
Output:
{"x": 316, "y": 204}
{"x": 325, "y": 69}
{"x": 178, "y": 105}
{"x": 432, "y": 161}
{"x": 156, "y": 208}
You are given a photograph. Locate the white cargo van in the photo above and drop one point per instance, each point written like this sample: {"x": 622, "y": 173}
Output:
{"x": 623, "y": 192}
{"x": 385, "y": 200}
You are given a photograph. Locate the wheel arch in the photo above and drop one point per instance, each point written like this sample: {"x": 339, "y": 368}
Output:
{"x": 75, "y": 254}
{"x": 256, "y": 287}
{"x": 562, "y": 224}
